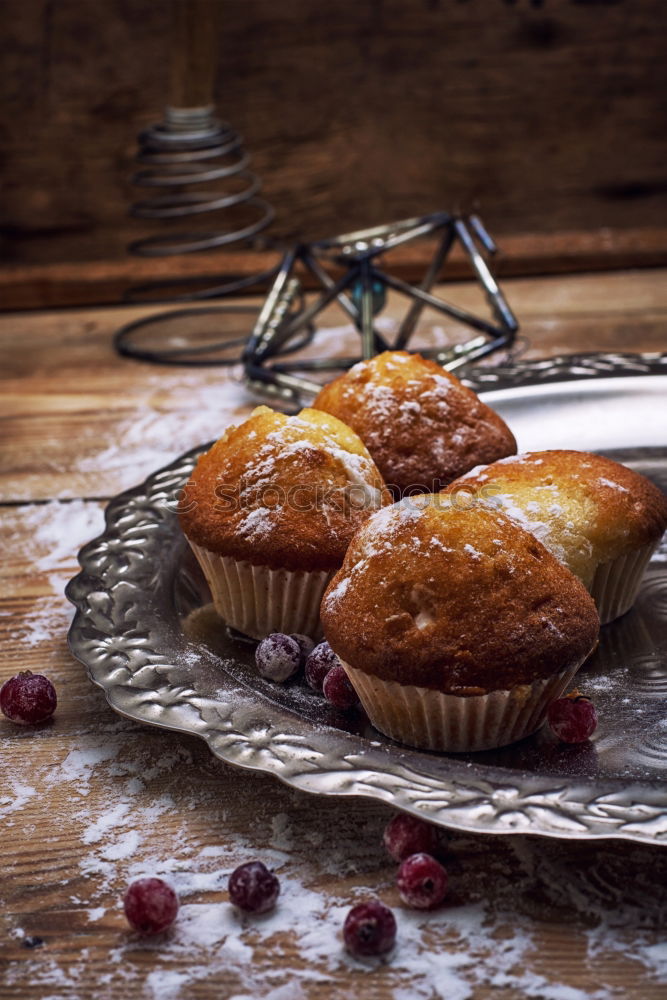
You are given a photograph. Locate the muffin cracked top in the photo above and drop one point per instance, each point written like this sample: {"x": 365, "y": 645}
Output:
{"x": 585, "y": 508}
{"x": 420, "y": 424}
{"x": 283, "y": 492}
{"x": 459, "y": 601}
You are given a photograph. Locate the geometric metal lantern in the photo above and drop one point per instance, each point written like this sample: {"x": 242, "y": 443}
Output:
{"x": 285, "y": 321}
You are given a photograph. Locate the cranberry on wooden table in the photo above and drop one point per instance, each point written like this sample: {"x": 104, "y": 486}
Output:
{"x": 253, "y": 888}
{"x": 422, "y": 882}
{"x": 369, "y": 929}
{"x": 151, "y": 905}
{"x": 405, "y": 835}
{"x": 28, "y": 698}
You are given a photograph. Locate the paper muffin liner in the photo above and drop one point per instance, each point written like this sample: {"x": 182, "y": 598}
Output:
{"x": 432, "y": 720}
{"x": 257, "y": 600}
{"x": 615, "y": 584}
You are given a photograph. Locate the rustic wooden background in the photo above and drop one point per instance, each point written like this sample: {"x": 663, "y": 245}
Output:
{"x": 550, "y": 117}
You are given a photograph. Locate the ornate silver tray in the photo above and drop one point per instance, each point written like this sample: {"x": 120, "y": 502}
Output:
{"x": 146, "y": 635}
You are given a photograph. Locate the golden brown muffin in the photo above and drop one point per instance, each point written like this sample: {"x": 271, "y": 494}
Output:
{"x": 287, "y": 492}
{"x": 456, "y": 627}
{"x": 269, "y": 512}
{"x": 420, "y": 424}
{"x": 599, "y": 518}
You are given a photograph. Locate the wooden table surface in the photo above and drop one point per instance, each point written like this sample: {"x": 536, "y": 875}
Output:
{"x": 92, "y": 800}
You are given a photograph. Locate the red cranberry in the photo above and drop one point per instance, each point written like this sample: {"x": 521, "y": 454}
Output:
{"x": 405, "y": 835}
{"x": 278, "y": 657}
{"x": 150, "y": 905}
{"x": 306, "y": 645}
{"x": 572, "y": 719}
{"x": 253, "y": 888}
{"x": 338, "y": 690}
{"x": 318, "y": 665}
{"x": 28, "y": 698}
{"x": 369, "y": 929}
{"x": 422, "y": 882}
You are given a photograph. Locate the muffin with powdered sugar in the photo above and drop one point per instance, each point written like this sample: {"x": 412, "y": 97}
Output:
{"x": 456, "y": 627}
{"x": 422, "y": 426}
{"x": 269, "y": 512}
{"x": 599, "y": 518}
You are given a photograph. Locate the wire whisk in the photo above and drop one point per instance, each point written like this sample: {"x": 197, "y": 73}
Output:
{"x": 196, "y": 169}
{"x": 200, "y": 195}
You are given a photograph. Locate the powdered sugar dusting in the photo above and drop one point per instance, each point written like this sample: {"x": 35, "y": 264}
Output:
{"x": 300, "y": 445}
{"x": 612, "y": 485}
{"x": 485, "y": 935}
{"x": 119, "y": 794}
{"x": 52, "y": 533}
{"x": 159, "y": 428}
{"x": 257, "y": 522}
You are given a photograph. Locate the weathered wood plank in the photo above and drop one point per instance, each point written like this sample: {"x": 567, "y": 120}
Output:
{"x": 80, "y": 421}
{"x": 92, "y": 272}
{"x": 548, "y": 118}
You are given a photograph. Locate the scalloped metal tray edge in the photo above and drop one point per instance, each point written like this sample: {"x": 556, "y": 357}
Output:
{"x": 143, "y": 675}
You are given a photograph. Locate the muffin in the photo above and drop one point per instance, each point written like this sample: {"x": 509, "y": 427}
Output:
{"x": 269, "y": 512}
{"x": 422, "y": 427}
{"x": 602, "y": 520}
{"x": 457, "y": 628}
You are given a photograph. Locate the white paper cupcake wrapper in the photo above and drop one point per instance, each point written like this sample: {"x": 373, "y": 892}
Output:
{"x": 257, "y": 600}
{"x": 432, "y": 720}
{"x": 615, "y": 584}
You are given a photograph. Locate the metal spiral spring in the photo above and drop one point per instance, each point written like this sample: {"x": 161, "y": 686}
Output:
{"x": 189, "y": 149}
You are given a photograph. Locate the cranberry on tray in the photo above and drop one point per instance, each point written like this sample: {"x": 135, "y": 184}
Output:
{"x": 572, "y": 719}
{"x": 278, "y": 657}
{"x": 318, "y": 665}
{"x": 337, "y": 688}
{"x": 306, "y": 645}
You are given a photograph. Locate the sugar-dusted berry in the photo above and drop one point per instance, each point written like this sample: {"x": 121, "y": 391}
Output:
{"x": 306, "y": 645}
{"x": 369, "y": 929}
{"x": 405, "y": 835}
{"x": 28, "y": 698}
{"x": 422, "y": 882}
{"x": 253, "y": 888}
{"x": 151, "y": 905}
{"x": 572, "y": 719}
{"x": 338, "y": 690}
{"x": 318, "y": 665}
{"x": 278, "y": 657}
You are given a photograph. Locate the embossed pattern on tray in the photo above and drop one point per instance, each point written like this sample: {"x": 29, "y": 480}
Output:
{"x": 146, "y": 636}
